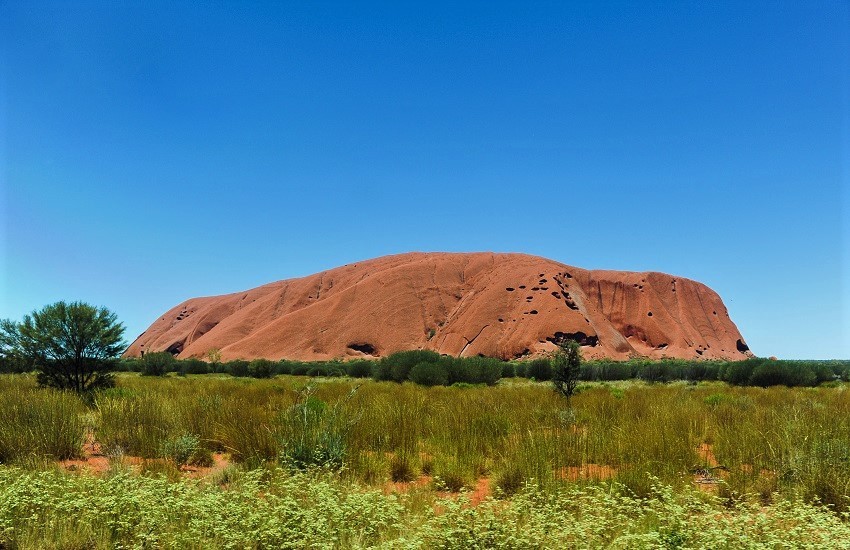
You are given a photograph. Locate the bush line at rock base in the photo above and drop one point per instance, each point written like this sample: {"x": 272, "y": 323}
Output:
{"x": 432, "y": 369}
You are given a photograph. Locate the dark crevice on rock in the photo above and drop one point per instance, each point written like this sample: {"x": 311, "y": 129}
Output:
{"x": 175, "y": 348}
{"x": 363, "y": 347}
{"x": 580, "y": 337}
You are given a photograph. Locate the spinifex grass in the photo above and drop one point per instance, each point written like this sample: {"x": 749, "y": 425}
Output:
{"x": 756, "y": 441}
{"x": 38, "y": 423}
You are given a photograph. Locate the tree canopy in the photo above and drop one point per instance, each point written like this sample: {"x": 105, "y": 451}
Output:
{"x": 71, "y": 345}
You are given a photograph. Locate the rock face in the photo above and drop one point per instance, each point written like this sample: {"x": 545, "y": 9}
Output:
{"x": 499, "y": 305}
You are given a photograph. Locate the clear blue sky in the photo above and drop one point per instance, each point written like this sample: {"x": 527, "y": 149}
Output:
{"x": 156, "y": 151}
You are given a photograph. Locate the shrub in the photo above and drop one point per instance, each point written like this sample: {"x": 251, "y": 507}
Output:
{"x": 429, "y": 374}
{"x": 360, "y": 368}
{"x": 326, "y": 369}
{"x": 194, "y": 366}
{"x": 509, "y": 482}
{"x": 218, "y": 367}
{"x": 157, "y": 364}
{"x": 649, "y": 371}
{"x": 775, "y": 373}
{"x": 823, "y": 372}
{"x": 181, "y": 449}
{"x": 739, "y": 373}
{"x": 711, "y": 370}
{"x": 520, "y": 369}
{"x": 129, "y": 364}
{"x": 336, "y": 368}
{"x": 768, "y": 374}
{"x": 508, "y": 370}
{"x": 402, "y": 362}
{"x": 300, "y": 369}
{"x": 237, "y": 367}
{"x": 313, "y": 434}
{"x": 539, "y": 369}
{"x": 606, "y": 370}
{"x": 489, "y": 370}
{"x": 472, "y": 370}
{"x": 381, "y": 371}
{"x": 260, "y": 368}
{"x": 282, "y": 367}
{"x": 400, "y": 468}
{"x": 566, "y": 366}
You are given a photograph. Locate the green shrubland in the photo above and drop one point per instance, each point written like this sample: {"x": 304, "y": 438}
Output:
{"x": 791, "y": 440}
{"x": 398, "y": 367}
{"x": 318, "y": 450}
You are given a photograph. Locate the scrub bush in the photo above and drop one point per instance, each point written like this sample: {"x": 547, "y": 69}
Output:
{"x": 429, "y": 374}
{"x": 260, "y": 368}
{"x": 158, "y": 364}
{"x": 539, "y": 369}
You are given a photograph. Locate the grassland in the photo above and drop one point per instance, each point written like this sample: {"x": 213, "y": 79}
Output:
{"x": 340, "y": 462}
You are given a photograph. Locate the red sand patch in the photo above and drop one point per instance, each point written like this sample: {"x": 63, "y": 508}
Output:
{"x": 706, "y": 452}
{"x": 405, "y": 486}
{"x": 710, "y": 473}
{"x": 94, "y": 461}
{"x": 220, "y": 462}
{"x": 480, "y": 492}
{"x": 92, "y": 464}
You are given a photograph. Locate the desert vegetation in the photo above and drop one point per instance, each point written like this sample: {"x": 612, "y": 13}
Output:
{"x": 71, "y": 346}
{"x": 414, "y": 450}
{"x": 345, "y": 462}
{"x": 431, "y": 369}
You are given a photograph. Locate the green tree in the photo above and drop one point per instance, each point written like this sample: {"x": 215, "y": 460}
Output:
{"x": 71, "y": 346}
{"x": 566, "y": 367}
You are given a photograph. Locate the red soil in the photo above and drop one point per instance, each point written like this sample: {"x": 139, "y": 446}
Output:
{"x": 710, "y": 473}
{"x": 94, "y": 461}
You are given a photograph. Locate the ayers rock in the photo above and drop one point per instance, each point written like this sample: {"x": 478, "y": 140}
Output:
{"x": 499, "y": 305}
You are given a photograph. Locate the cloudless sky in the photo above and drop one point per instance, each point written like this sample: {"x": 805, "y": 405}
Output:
{"x": 156, "y": 151}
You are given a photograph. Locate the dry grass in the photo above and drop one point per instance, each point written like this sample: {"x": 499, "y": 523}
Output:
{"x": 790, "y": 441}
